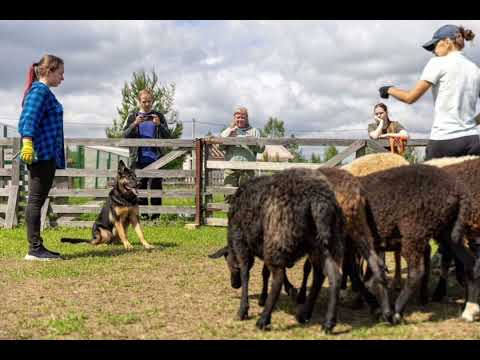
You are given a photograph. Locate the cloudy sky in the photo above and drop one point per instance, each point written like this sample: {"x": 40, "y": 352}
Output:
{"x": 319, "y": 77}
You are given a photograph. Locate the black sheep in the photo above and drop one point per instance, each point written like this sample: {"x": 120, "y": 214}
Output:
{"x": 280, "y": 219}
{"x": 359, "y": 240}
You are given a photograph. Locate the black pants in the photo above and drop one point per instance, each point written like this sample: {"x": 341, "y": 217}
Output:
{"x": 466, "y": 145}
{"x": 40, "y": 180}
{"x": 156, "y": 184}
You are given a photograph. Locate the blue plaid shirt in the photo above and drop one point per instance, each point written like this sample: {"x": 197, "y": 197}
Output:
{"x": 42, "y": 120}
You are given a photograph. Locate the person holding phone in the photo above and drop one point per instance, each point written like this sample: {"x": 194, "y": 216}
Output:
{"x": 147, "y": 123}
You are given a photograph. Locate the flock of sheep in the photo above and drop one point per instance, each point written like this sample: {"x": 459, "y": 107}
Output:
{"x": 338, "y": 217}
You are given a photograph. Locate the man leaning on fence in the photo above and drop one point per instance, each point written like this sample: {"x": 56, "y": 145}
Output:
{"x": 146, "y": 124}
{"x": 240, "y": 127}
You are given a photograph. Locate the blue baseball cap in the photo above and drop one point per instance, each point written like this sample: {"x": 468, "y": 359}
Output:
{"x": 446, "y": 31}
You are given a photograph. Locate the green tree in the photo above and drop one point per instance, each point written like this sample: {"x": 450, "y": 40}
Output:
{"x": 330, "y": 152}
{"x": 274, "y": 128}
{"x": 163, "y": 98}
{"x": 296, "y": 152}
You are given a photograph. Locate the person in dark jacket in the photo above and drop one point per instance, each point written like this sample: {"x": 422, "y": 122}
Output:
{"x": 146, "y": 124}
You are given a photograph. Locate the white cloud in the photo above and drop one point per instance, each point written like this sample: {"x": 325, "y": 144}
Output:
{"x": 317, "y": 76}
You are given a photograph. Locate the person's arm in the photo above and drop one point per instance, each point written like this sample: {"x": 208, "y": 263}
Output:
{"x": 229, "y": 132}
{"x": 401, "y": 133}
{"x": 375, "y": 134}
{"x": 130, "y": 128}
{"x": 410, "y": 96}
{"x": 33, "y": 109}
{"x": 160, "y": 121}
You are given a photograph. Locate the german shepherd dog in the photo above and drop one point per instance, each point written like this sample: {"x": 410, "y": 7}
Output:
{"x": 119, "y": 211}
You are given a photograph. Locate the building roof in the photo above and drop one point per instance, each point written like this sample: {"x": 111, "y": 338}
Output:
{"x": 273, "y": 150}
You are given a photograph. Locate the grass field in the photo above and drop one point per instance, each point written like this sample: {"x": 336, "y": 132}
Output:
{"x": 173, "y": 292}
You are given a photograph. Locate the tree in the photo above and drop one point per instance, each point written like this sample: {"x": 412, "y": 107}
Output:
{"x": 296, "y": 152}
{"x": 330, "y": 152}
{"x": 274, "y": 128}
{"x": 163, "y": 97}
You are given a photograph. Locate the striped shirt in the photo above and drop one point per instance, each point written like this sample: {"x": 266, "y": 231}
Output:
{"x": 42, "y": 120}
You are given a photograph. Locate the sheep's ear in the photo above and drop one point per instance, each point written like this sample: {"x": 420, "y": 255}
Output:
{"x": 121, "y": 166}
{"x": 219, "y": 253}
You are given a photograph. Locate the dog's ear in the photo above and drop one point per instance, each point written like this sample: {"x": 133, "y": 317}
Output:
{"x": 222, "y": 252}
{"x": 121, "y": 166}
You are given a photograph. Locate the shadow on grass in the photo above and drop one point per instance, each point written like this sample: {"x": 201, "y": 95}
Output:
{"x": 117, "y": 250}
{"x": 361, "y": 318}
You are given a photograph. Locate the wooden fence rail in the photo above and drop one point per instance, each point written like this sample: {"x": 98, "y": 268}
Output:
{"x": 207, "y": 174}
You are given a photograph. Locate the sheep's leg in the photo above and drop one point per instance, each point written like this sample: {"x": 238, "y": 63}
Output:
{"x": 353, "y": 273}
{"x": 424, "y": 284}
{"x": 302, "y": 294}
{"x": 351, "y": 269}
{"x": 397, "y": 279}
{"x": 472, "y": 309}
{"x": 277, "y": 280}
{"x": 416, "y": 270}
{"x": 304, "y": 311}
{"x": 264, "y": 294}
{"x": 446, "y": 258}
{"x": 334, "y": 278}
{"x": 245, "y": 275}
{"x": 289, "y": 288}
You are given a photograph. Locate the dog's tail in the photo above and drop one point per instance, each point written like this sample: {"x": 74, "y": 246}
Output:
{"x": 74, "y": 241}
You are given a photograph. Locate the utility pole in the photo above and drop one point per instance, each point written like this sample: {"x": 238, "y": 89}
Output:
{"x": 193, "y": 128}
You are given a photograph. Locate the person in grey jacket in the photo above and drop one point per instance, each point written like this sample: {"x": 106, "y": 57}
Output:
{"x": 240, "y": 127}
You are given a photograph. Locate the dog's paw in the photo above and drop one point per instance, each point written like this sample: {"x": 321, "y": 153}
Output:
{"x": 149, "y": 247}
{"x": 128, "y": 247}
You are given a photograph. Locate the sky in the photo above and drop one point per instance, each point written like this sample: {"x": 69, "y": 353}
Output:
{"x": 320, "y": 77}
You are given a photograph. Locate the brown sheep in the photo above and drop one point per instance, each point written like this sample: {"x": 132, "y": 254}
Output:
{"x": 425, "y": 202}
{"x": 369, "y": 164}
{"x": 465, "y": 169}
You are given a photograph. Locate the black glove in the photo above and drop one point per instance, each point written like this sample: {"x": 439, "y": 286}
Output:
{"x": 384, "y": 91}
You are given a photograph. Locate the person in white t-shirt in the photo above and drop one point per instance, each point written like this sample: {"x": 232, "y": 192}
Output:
{"x": 455, "y": 83}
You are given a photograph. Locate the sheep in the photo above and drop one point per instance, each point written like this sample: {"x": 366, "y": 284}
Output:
{"x": 349, "y": 195}
{"x": 424, "y": 202}
{"x": 279, "y": 219}
{"x": 369, "y": 164}
{"x": 465, "y": 169}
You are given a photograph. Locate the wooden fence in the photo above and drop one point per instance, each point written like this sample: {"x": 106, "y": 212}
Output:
{"x": 206, "y": 175}
{"x": 356, "y": 148}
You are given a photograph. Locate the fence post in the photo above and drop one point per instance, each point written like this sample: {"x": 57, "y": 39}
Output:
{"x": 198, "y": 182}
{"x": 11, "y": 218}
{"x": 361, "y": 151}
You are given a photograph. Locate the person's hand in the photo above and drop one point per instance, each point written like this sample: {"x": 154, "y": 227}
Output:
{"x": 138, "y": 120}
{"x": 379, "y": 119}
{"x": 384, "y": 91}
{"x": 27, "y": 152}
{"x": 233, "y": 132}
{"x": 156, "y": 119}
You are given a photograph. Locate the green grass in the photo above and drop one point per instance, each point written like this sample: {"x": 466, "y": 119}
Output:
{"x": 174, "y": 292}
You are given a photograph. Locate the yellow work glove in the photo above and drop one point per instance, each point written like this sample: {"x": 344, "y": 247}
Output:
{"x": 27, "y": 151}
